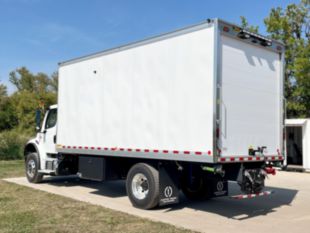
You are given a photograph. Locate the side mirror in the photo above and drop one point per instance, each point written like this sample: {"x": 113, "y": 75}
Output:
{"x": 38, "y": 120}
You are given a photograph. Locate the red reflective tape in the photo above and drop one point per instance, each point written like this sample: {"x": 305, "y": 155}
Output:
{"x": 121, "y": 149}
{"x": 98, "y": 148}
{"x": 222, "y": 159}
{"x": 80, "y": 147}
{"x": 155, "y": 151}
{"x": 186, "y": 152}
{"x": 241, "y": 159}
{"x": 63, "y": 146}
{"x": 146, "y": 150}
{"x": 175, "y": 152}
{"x": 138, "y": 150}
{"x": 273, "y": 158}
{"x": 74, "y": 147}
{"x": 232, "y": 159}
{"x": 129, "y": 149}
{"x": 250, "y": 158}
{"x": 209, "y": 152}
{"x": 257, "y": 158}
{"x": 281, "y": 158}
{"x": 114, "y": 148}
{"x": 86, "y": 147}
{"x": 106, "y": 148}
{"x": 165, "y": 151}
{"x": 92, "y": 148}
{"x": 198, "y": 153}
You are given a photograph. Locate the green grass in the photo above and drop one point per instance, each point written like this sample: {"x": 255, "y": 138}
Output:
{"x": 12, "y": 168}
{"x": 24, "y": 209}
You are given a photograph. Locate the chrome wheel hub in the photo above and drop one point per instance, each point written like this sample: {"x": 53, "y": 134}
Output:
{"x": 140, "y": 186}
{"x": 31, "y": 168}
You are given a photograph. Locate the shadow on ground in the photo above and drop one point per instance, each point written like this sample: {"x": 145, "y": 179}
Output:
{"x": 224, "y": 206}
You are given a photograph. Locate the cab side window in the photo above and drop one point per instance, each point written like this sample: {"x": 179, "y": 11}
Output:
{"x": 51, "y": 119}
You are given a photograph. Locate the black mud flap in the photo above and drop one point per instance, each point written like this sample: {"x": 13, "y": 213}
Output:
{"x": 168, "y": 186}
{"x": 219, "y": 187}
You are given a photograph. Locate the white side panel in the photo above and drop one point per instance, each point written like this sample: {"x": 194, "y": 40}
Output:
{"x": 155, "y": 96}
{"x": 306, "y": 145}
{"x": 251, "y": 97}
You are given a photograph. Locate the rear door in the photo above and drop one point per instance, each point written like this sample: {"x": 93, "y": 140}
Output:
{"x": 250, "y": 98}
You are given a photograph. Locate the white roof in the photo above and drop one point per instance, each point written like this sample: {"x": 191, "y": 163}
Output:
{"x": 295, "y": 122}
{"x": 53, "y": 106}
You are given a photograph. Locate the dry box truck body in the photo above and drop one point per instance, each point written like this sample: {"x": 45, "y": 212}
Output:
{"x": 187, "y": 110}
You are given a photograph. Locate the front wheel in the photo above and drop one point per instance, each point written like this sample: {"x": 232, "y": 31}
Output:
{"x": 32, "y": 168}
{"x": 142, "y": 186}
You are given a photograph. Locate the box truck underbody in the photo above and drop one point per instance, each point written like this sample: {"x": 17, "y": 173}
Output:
{"x": 187, "y": 110}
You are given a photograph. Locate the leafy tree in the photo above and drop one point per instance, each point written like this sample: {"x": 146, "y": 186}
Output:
{"x": 54, "y": 82}
{"x": 33, "y": 90}
{"x": 7, "y": 116}
{"x": 245, "y": 25}
{"x": 292, "y": 27}
{"x": 3, "y": 91}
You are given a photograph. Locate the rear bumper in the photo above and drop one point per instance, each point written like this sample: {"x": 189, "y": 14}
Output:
{"x": 248, "y": 196}
{"x": 249, "y": 158}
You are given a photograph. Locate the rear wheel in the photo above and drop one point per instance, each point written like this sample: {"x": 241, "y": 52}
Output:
{"x": 195, "y": 186}
{"x": 32, "y": 168}
{"x": 142, "y": 186}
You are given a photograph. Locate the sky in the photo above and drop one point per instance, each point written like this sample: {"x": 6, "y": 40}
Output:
{"x": 38, "y": 34}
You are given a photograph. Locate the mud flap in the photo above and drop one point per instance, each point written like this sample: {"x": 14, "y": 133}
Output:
{"x": 219, "y": 187}
{"x": 168, "y": 186}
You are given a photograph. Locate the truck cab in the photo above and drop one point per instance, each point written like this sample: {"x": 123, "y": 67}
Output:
{"x": 42, "y": 148}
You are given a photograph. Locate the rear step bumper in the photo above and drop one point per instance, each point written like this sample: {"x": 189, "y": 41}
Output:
{"x": 248, "y": 196}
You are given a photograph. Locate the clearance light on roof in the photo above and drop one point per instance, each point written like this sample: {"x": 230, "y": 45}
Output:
{"x": 226, "y": 29}
{"x": 264, "y": 41}
{"x": 236, "y": 29}
{"x": 243, "y": 35}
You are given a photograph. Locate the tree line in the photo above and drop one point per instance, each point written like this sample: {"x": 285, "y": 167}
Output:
{"x": 17, "y": 111}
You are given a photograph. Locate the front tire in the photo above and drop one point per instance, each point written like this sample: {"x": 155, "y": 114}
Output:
{"x": 142, "y": 186}
{"x": 32, "y": 166}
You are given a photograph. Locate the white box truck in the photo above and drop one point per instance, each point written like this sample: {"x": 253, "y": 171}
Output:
{"x": 188, "y": 110}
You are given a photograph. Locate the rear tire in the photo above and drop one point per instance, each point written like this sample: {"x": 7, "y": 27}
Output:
{"x": 196, "y": 187}
{"x": 32, "y": 166}
{"x": 142, "y": 186}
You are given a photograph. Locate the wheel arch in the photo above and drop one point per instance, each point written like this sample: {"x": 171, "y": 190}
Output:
{"x": 30, "y": 148}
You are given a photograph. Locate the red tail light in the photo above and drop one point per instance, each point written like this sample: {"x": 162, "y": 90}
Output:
{"x": 270, "y": 170}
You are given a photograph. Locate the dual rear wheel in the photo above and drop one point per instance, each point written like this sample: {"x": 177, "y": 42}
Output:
{"x": 142, "y": 186}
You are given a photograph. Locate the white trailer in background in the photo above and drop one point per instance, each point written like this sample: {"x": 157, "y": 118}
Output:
{"x": 297, "y": 144}
{"x": 190, "y": 109}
